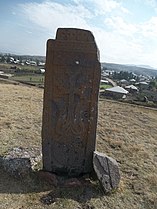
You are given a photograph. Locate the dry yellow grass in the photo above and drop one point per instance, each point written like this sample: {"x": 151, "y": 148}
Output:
{"x": 125, "y": 132}
{"x": 20, "y": 116}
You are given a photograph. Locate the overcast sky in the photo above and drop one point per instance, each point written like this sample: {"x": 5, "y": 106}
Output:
{"x": 125, "y": 30}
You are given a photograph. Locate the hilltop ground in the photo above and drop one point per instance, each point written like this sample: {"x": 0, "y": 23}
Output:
{"x": 125, "y": 132}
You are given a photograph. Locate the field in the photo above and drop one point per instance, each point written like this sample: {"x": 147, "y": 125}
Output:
{"x": 34, "y": 79}
{"x": 27, "y": 74}
{"x": 105, "y": 86}
{"x": 125, "y": 132}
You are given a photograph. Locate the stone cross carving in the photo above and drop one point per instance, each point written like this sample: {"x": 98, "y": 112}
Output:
{"x": 70, "y": 102}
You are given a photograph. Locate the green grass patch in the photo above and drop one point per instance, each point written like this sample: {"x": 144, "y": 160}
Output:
{"x": 35, "y": 79}
{"x": 105, "y": 86}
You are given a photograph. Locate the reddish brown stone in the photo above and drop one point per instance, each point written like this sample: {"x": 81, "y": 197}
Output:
{"x": 48, "y": 177}
{"x": 70, "y": 102}
{"x": 73, "y": 182}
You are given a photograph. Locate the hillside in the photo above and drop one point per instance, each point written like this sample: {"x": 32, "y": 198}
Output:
{"x": 125, "y": 132}
{"x": 145, "y": 70}
{"x": 129, "y": 68}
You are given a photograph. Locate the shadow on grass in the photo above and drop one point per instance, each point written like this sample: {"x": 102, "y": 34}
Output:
{"x": 33, "y": 184}
{"x": 81, "y": 194}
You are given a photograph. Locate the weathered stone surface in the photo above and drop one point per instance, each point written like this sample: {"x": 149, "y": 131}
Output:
{"x": 70, "y": 102}
{"x": 50, "y": 178}
{"x": 107, "y": 171}
{"x": 73, "y": 182}
{"x": 19, "y": 162}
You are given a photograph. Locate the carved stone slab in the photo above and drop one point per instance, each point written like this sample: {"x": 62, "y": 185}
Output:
{"x": 107, "y": 171}
{"x": 70, "y": 102}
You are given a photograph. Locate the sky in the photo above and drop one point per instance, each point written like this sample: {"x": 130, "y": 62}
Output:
{"x": 125, "y": 30}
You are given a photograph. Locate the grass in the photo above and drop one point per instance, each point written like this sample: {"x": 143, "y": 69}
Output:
{"x": 105, "y": 86}
{"x": 125, "y": 132}
{"x": 22, "y": 67}
{"x": 4, "y": 66}
{"x": 35, "y": 79}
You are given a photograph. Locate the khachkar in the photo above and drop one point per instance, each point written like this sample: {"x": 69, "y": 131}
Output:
{"x": 70, "y": 102}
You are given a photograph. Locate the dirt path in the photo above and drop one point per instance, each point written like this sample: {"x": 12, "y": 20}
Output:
{"x": 111, "y": 81}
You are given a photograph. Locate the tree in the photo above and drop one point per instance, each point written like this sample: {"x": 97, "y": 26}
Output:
{"x": 8, "y": 59}
{"x": 153, "y": 85}
{"x": 123, "y": 75}
{"x": 2, "y": 58}
{"x": 37, "y": 61}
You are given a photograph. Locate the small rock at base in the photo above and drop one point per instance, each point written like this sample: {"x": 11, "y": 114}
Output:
{"x": 107, "y": 171}
{"x": 19, "y": 162}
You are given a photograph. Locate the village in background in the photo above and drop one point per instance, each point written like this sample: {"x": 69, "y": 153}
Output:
{"x": 127, "y": 83}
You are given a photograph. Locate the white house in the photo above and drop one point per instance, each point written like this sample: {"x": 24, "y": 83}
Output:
{"x": 116, "y": 92}
{"x": 104, "y": 82}
{"x": 131, "y": 88}
{"x": 42, "y": 70}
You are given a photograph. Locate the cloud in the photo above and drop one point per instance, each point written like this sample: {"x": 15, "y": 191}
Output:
{"x": 149, "y": 28}
{"x": 152, "y": 3}
{"x": 114, "y": 48}
{"x": 118, "y": 39}
{"x": 118, "y": 25}
{"x": 51, "y": 15}
{"x": 149, "y": 3}
{"x": 102, "y": 7}
{"x": 13, "y": 13}
{"x": 133, "y": 42}
{"x": 29, "y": 32}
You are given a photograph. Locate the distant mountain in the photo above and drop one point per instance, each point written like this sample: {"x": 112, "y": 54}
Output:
{"x": 139, "y": 70}
{"x": 146, "y": 66}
